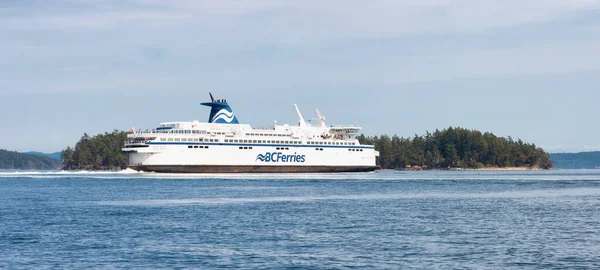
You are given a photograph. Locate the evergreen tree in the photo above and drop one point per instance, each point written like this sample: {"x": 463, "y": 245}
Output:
{"x": 456, "y": 148}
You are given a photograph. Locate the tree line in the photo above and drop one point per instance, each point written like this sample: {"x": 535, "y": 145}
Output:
{"x": 456, "y": 148}
{"x": 448, "y": 148}
{"x": 101, "y": 152}
{"x": 12, "y": 160}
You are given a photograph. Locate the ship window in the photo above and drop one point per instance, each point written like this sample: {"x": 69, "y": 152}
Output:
{"x": 195, "y": 146}
{"x": 206, "y": 146}
{"x": 241, "y": 147}
{"x": 163, "y": 139}
{"x": 196, "y": 139}
{"x": 201, "y": 139}
{"x": 245, "y": 147}
{"x": 189, "y": 146}
{"x": 361, "y": 150}
{"x": 170, "y": 139}
{"x": 177, "y": 139}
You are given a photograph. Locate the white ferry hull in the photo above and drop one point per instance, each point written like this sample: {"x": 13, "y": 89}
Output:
{"x": 179, "y": 158}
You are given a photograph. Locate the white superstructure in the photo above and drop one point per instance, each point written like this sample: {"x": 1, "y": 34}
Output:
{"x": 224, "y": 145}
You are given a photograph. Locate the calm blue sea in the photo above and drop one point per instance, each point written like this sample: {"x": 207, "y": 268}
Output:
{"x": 386, "y": 219}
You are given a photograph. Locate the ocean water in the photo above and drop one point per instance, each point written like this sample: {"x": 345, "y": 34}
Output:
{"x": 379, "y": 220}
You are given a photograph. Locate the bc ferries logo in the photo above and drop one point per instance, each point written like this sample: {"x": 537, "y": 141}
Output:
{"x": 223, "y": 114}
{"x": 280, "y": 157}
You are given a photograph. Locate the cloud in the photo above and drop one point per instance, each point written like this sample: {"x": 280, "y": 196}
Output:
{"x": 303, "y": 21}
{"x": 87, "y": 46}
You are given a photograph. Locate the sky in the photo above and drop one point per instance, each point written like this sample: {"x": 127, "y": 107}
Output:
{"x": 525, "y": 69}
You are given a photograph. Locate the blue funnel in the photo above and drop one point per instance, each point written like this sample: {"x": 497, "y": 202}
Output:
{"x": 220, "y": 112}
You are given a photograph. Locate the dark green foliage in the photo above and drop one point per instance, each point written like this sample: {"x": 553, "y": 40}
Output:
{"x": 456, "y": 148}
{"x": 101, "y": 152}
{"x": 583, "y": 160}
{"x": 21, "y": 161}
{"x": 55, "y": 155}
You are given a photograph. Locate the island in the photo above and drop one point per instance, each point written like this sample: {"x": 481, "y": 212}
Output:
{"x": 11, "y": 160}
{"x": 100, "y": 152}
{"x": 450, "y": 148}
{"x": 457, "y": 148}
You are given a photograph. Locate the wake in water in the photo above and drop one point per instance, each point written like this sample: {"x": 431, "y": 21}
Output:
{"x": 573, "y": 192}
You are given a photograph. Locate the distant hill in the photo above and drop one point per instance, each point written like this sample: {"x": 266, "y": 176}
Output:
{"x": 582, "y": 160}
{"x": 21, "y": 161}
{"x": 55, "y": 155}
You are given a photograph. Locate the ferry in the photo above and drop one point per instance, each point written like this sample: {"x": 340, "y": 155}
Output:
{"x": 223, "y": 145}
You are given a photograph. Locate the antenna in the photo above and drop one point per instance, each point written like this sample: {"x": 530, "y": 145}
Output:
{"x": 301, "y": 121}
{"x": 211, "y": 97}
{"x": 320, "y": 118}
{"x": 319, "y": 114}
